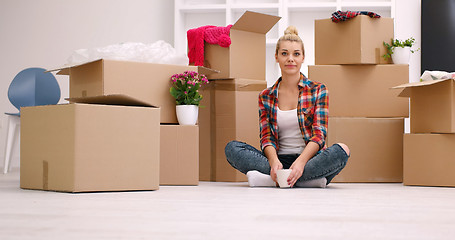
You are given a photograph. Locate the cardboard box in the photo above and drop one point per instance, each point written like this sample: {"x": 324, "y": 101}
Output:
{"x": 206, "y": 121}
{"x": 363, "y": 90}
{"x": 245, "y": 57}
{"x": 236, "y": 118}
{"x": 90, "y": 148}
{"x": 233, "y": 115}
{"x": 356, "y": 41}
{"x": 179, "y": 161}
{"x": 376, "y": 146}
{"x": 429, "y": 160}
{"x": 145, "y": 82}
{"x": 432, "y": 105}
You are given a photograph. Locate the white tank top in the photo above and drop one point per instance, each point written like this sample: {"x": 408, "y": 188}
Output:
{"x": 290, "y": 138}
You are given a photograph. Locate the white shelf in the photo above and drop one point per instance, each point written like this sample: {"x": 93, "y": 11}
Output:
{"x": 296, "y": 6}
{"x": 202, "y": 8}
{"x": 367, "y": 4}
{"x": 300, "y": 13}
{"x": 257, "y": 7}
{"x": 271, "y": 41}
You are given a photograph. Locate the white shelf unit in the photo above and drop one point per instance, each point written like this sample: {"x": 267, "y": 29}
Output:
{"x": 300, "y": 13}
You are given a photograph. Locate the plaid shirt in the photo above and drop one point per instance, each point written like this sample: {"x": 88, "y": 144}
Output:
{"x": 312, "y": 112}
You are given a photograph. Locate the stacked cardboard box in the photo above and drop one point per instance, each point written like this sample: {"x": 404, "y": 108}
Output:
{"x": 429, "y": 148}
{"x": 230, "y": 103}
{"x": 363, "y": 112}
{"x": 108, "y": 138}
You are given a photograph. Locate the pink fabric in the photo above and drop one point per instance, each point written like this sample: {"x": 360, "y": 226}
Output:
{"x": 209, "y": 34}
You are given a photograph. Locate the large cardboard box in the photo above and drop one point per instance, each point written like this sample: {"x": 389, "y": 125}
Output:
{"x": 245, "y": 57}
{"x": 236, "y": 118}
{"x": 355, "y": 41}
{"x": 233, "y": 115}
{"x": 429, "y": 160}
{"x": 179, "y": 161}
{"x": 432, "y": 105}
{"x": 89, "y": 147}
{"x": 376, "y": 146}
{"x": 145, "y": 82}
{"x": 363, "y": 90}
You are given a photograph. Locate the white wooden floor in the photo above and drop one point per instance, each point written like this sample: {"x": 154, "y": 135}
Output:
{"x": 230, "y": 211}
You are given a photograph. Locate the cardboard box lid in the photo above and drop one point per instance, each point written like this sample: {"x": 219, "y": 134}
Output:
{"x": 64, "y": 69}
{"x": 114, "y": 99}
{"x": 255, "y": 22}
{"x": 240, "y": 84}
{"x": 408, "y": 86}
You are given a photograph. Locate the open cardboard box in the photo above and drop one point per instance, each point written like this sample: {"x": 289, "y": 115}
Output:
{"x": 90, "y": 147}
{"x": 355, "y": 41}
{"x": 145, "y": 82}
{"x": 245, "y": 57}
{"x": 432, "y": 105}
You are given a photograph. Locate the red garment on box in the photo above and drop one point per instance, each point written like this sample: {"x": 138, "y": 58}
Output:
{"x": 209, "y": 34}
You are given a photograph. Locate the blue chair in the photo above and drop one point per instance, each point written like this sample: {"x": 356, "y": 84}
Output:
{"x": 30, "y": 87}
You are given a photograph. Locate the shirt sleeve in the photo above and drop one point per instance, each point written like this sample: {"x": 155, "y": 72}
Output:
{"x": 321, "y": 116}
{"x": 266, "y": 135}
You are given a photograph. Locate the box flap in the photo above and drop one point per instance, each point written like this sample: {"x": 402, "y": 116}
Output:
{"x": 114, "y": 99}
{"x": 206, "y": 71}
{"x": 240, "y": 84}
{"x": 255, "y": 22}
{"x": 64, "y": 69}
{"x": 406, "y": 87}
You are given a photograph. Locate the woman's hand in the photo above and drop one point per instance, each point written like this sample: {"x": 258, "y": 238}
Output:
{"x": 299, "y": 164}
{"x": 297, "y": 171}
{"x": 274, "y": 166}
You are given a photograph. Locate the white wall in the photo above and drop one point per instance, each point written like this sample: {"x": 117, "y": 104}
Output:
{"x": 407, "y": 24}
{"x": 44, "y": 33}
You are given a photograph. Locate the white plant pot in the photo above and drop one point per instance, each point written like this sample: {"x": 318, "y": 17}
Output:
{"x": 401, "y": 55}
{"x": 187, "y": 114}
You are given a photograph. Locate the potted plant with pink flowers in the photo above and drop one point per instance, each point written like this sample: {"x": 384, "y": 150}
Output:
{"x": 185, "y": 90}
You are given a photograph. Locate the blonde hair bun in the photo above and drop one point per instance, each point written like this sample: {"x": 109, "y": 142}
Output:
{"x": 291, "y": 30}
{"x": 290, "y": 34}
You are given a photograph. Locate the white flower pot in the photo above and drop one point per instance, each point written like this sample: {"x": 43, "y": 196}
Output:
{"x": 401, "y": 55}
{"x": 187, "y": 114}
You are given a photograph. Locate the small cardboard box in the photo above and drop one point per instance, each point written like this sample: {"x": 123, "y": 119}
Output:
{"x": 179, "y": 161}
{"x": 233, "y": 115}
{"x": 355, "y": 41}
{"x": 429, "y": 160}
{"x": 245, "y": 57}
{"x": 432, "y": 105}
{"x": 90, "y": 148}
{"x": 363, "y": 90}
{"x": 145, "y": 82}
{"x": 376, "y": 146}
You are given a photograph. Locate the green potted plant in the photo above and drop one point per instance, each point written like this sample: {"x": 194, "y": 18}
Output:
{"x": 400, "y": 51}
{"x": 185, "y": 90}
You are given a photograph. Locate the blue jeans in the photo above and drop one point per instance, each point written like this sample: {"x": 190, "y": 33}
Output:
{"x": 327, "y": 163}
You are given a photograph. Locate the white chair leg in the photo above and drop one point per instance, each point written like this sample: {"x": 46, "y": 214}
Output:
{"x": 13, "y": 123}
